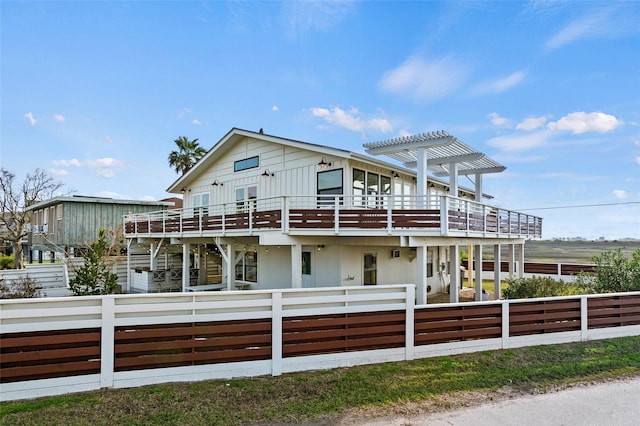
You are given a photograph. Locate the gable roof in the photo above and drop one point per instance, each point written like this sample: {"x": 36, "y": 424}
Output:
{"x": 235, "y": 134}
{"x": 96, "y": 200}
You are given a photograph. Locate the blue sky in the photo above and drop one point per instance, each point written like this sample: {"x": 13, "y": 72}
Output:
{"x": 96, "y": 92}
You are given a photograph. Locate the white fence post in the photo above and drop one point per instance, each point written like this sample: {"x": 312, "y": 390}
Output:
{"x": 584, "y": 319}
{"x": 107, "y": 342}
{"x": 276, "y": 333}
{"x": 505, "y": 324}
{"x": 410, "y": 323}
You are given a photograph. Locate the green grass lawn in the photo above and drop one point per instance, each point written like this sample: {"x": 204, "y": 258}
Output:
{"x": 323, "y": 395}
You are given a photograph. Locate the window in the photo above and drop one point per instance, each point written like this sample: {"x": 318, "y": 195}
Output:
{"x": 329, "y": 183}
{"x": 201, "y": 203}
{"x": 245, "y": 198}
{"x": 358, "y": 187}
{"x": 247, "y": 163}
{"x": 59, "y": 211}
{"x": 247, "y": 266}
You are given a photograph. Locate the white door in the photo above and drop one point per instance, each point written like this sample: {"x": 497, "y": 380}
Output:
{"x": 307, "y": 269}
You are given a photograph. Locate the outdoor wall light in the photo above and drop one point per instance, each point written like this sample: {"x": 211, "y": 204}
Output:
{"x": 323, "y": 163}
{"x": 395, "y": 174}
{"x": 183, "y": 190}
{"x": 217, "y": 182}
{"x": 320, "y": 247}
{"x": 267, "y": 173}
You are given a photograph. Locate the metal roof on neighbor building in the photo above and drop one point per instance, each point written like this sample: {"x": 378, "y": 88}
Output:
{"x": 442, "y": 149}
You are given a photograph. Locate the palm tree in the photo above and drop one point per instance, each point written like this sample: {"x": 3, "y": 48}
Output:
{"x": 187, "y": 154}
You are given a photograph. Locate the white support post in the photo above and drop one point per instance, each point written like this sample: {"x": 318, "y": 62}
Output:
{"x": 231, "y": 267}
{"x": 276, "y": 333}
{"x": 497, "y": 271}
{"x": 512, "y": 260}
{"x": 453, "y": 179}
{"x": 284, "y": 215}
{"x": 107, "y": 340}
{"x": 128, "y": 286}
{"x": 185, "y": 265}
{"x": 152, "y": 256}
{"x": 421, "y": 182}
{"x": 478, "y": 271}
{"x": 409, "y": 326}
{"x": 296, "y": 266}
{"x": 421, "y": 275}
{"x": 521, "y": 261}
{"x": 478, "y": 188}
{"x": 454, "y": 270}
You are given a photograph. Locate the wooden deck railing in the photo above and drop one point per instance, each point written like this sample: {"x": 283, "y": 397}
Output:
{"x": 442, "y": 215}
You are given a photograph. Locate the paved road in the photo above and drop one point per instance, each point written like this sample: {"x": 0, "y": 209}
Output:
{"x": 606, "y": 404}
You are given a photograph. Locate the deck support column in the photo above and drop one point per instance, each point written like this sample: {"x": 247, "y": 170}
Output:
{"x": 521, "y": 261}
{"x": 186, "y": 248}
{"x": 453, "y": 179}
{"x": 230, "y": 262}
{"x": 421, "y": 275}
{"x": 152, "y": 257}
{"x": 296, "y": 266}
{"x": 477, "y": 258}
{"x": 454, "y": 271}
{"x": 497, "y": 271}
{"x": 478, "y": 188}
{"x": 512, "y": 260}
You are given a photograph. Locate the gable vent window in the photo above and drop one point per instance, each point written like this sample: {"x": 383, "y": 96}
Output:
{"x": 247, "y": 163}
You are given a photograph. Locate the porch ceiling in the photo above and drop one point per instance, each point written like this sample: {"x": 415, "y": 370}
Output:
{"x": 441, "y": 148}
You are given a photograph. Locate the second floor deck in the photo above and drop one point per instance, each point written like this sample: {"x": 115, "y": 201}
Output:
{"x": 339, "y": 215}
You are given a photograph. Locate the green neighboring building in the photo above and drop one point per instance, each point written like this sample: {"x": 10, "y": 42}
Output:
{"x": 63, "y": 224}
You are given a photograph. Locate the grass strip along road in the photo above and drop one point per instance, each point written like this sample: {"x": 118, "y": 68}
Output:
{"x": 322, "y": 397}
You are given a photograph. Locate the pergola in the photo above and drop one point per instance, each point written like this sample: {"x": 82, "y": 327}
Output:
{"x": 442, "y": 154}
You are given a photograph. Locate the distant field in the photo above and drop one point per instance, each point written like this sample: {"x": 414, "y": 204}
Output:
{"x": 573, "y": 251}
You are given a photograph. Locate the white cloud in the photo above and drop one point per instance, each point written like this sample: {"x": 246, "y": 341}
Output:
{"x": 66, "y": 163}
{"x": 620, "y": 193}
{"x": 148, "y": 198}
{"x": 500, "y": 85}
{"x": 582, "y": 122}
{"x": 576, "y": 30}
{"x": 58, "y": 172}
{"x": 352, "y": 120}
{"x": 29, "y": 117}
{"x": 104, "y": 167}
{"x": 499, "y": 121}
{"x": 520, "y": 142}
{"x": 184, "y": 112}
{"x": 638, "y": 159}
{"x": 275, "y": 108}
{"x": 196, "y": 121}
{"x": 59, "y": 118}
{"x": 532, "y": 123}
{"x": 422, "y": 80}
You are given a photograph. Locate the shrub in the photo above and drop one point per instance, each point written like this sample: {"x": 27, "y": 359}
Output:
{"x": 525, "y": 288}
{"x": 20, "y": 288}
{"x": 614, "y": 273}
{"x": 94, "y": 277}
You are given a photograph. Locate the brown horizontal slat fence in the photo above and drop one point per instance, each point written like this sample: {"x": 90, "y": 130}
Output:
{"x": 173, "y": 345}
{"x": 457, "y": 323}
{"x": 546, "y": 316}
{"x": 49, "y": 354}
{"x": 312, "y": 335}
{"x": 613, "y": 311}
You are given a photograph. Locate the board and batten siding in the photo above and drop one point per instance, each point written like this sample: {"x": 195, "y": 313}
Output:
{"x": 295, "y": 172}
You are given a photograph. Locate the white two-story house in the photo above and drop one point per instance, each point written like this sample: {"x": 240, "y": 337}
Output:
{"x": 270, "y": 212}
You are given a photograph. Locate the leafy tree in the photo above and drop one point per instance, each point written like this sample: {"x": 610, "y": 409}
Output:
{"x": 15, "y": 199}
{"x": 94, "y": 277}
{"x": 187, "y": 154}
{"x": 614, "y": 272}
